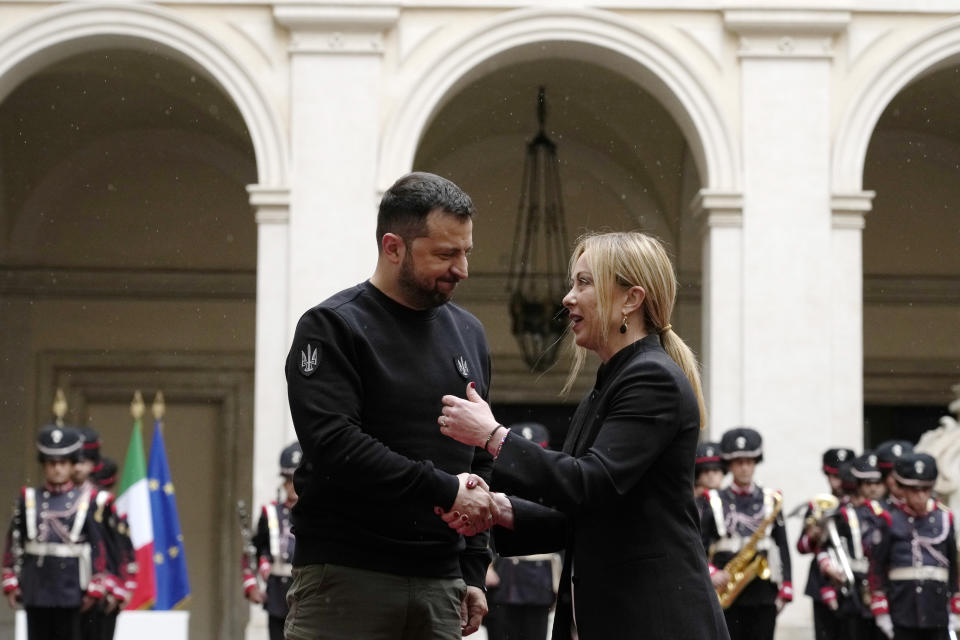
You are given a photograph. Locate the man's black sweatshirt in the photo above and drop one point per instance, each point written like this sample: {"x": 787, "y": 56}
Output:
{"x": 365, "y": 376}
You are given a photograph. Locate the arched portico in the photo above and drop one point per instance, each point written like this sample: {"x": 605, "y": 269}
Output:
{"x": 73, "y": 28}
{"x": 594, "y": 36}
{"x": 917, "y": 57}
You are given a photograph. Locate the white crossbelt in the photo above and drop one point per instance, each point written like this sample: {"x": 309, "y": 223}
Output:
{"x": 63, "y": 550}
{"x": 282, "y": 569}
{"x": 938, "y": 574}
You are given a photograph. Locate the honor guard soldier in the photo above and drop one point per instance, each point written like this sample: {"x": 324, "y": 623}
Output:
{"x": 914, "y": 570}
{"x": 869, "y": 517}
{"x": 824, "y": 577}
{"x": 274, "y": 545}
{"x": 708, "y": 472}
{"x": 54, "y": 553}
{"x": 99, "y": 623}
{"x": 744, "y": 521}
{"x": 887, "y": 454}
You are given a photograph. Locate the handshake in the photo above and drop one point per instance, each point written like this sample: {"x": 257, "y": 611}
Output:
{"x": 476, "y": 508}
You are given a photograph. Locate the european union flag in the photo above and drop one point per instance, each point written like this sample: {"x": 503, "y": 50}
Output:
{"x": 173, "y": 584}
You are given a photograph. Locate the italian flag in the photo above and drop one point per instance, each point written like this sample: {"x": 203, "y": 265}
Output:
{"x": 134, "y": 504}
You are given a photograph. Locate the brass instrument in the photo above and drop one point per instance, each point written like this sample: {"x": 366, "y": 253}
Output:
{"x": 747, "y": 564}
{"x": 823, "y": 515}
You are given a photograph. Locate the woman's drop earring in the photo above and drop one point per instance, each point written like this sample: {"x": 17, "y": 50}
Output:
{"x": 623, "y": 327}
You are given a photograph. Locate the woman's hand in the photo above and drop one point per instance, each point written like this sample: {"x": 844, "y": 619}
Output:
{"x": 469, "y": 420}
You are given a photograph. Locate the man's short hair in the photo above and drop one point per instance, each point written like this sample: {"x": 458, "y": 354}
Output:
{"x": 405, "y": 205}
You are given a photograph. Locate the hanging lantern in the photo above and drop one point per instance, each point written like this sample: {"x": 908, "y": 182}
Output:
{"x": 538, "y": 263}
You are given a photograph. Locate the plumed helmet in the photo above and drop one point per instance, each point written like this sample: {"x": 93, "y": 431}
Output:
{"x": 55, "y": 442}
{"x": 865, "y": 469}
{"x": 290, "y": 459}
{"x": 915, "y": 470}
{"x": 888, "y": 452}
{"x": 834, "y": 458}
{"x": 741, "y": 442}
{"x": 533, "y": 431}
{"x": 708, "y": 457}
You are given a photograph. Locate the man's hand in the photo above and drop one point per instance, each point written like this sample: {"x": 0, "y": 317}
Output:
{"x": 474, "y": 509}
{"x": 720, "y": 579}
{"x": 254, "y": 595}
{"x": 472, "y": 610}
{"x": 13, "y": 597}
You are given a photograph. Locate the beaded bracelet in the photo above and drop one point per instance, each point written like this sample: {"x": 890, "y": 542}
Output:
{"x": 486, "y": 443}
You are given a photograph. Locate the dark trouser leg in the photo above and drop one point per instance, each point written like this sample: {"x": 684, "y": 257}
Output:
{"x": 332, "y": 602}
{"x": 826, "y": 623}
{"x": 525, "y": 622}
{"x": 109, "y": 625}
{"x": 751, "y": 622}
{"x": 48, "y": 623}
{"x": 275, "y": 625}
{"x": 91, "y": 624}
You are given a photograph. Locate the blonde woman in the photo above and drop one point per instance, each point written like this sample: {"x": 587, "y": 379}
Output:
{"x": 618, "y": 499}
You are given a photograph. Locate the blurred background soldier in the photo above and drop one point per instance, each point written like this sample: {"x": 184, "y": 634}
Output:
{"x": 870, "y": 518}
{"x": 748, "y": 521}
{"x": 708, "y": 472}
{"x": 526, "y": 585}
{"x": 274, "y": 545}
{"x": 887, "y": 454}
{"x": 53, "y": 548}
{"x": 914, "y": 570}
{"x": 824, "y": 576}
{"x": 105, "y": 476}
{"x": 100, "y": 621}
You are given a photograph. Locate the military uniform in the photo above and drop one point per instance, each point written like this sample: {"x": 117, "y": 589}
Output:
{"x": 274, "y": 545}
{"x": 827, "y": 602}
{"x": 914, "y": 571}
{"x": 708, "y": 457}
{"x": 55, "y": 555}
{"x": 871, "y": 517}
{"x": 734, "y": 515}
{"x": 119, "y": 579}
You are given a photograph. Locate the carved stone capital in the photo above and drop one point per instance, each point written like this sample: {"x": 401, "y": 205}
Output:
{"x": 322, "y": 28}
{"x": 717, "y": 209}
{"x": 771, "y": 33}
{"x": 271, "y": 204}
{"x": 850, "y": 209}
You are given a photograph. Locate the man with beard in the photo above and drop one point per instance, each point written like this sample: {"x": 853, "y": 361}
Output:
{"x": 364, "y": 375}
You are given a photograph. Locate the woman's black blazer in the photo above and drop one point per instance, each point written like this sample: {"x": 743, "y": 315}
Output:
{"x": 619, "y": 501}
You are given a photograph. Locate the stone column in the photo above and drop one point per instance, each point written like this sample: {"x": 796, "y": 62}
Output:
{"x": 721, "y": 217}
{"x": 335, "y": 92}
{"x": 846, "y": 332}
{"x": 789, "y": 376}
{"x": 271, "y": 421}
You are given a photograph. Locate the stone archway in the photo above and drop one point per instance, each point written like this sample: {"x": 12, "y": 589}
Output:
{"x": 594, "y": 36}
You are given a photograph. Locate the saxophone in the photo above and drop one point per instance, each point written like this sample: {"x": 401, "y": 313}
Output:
{"x": 747, "y": 564}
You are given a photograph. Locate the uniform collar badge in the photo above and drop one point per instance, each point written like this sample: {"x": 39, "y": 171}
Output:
{"x": 309, "y": 359}
{"x": 462, "y": 367}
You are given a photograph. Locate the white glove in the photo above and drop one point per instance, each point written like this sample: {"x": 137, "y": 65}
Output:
{"x": 885, "y": 623}
{"x": 952, "y": 621}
